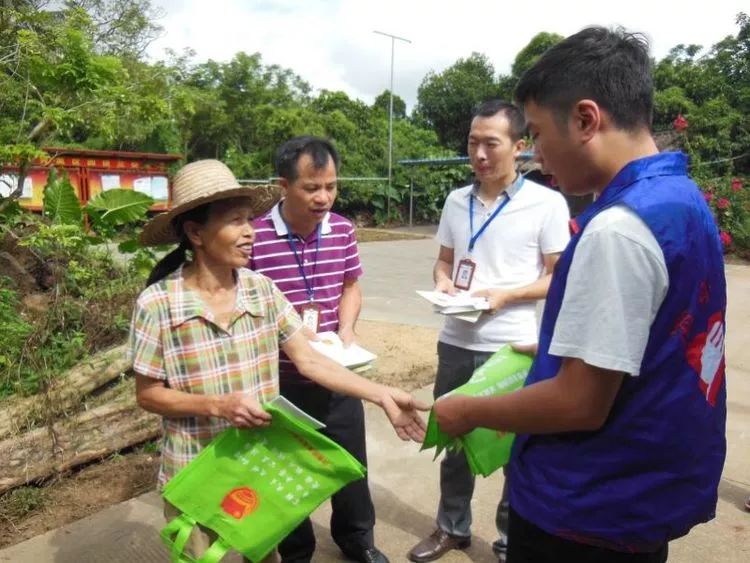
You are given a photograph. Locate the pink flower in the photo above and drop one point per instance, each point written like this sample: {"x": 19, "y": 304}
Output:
{"x": 736, "y": 184}
{"x": 726, "y": 238}
{"x": 723, "y": 203}
{"x": 708, "y": 196}
{"x": 680, "y": 123}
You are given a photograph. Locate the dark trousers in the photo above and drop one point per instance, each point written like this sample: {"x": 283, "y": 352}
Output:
{"x": 353, "y": 516}
{"x": 455, "y": 367}
{"x": 528, "y": 543}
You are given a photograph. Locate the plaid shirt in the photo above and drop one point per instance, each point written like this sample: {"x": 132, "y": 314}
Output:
{"x": 173, "y": 338}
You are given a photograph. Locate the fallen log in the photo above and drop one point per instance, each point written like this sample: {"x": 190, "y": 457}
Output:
{"x": 86, "y": 437}
{"x": 64, "y": 394}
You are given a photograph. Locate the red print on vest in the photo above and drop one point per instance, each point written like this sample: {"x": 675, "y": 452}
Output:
{"x": 705, "y": 354}
{"x": 683, "y": 325}
{"x": 704, "y": 293}
{"x": 574, "y": 227}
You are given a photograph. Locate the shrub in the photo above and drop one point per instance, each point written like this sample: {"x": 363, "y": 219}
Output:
{"x": 729, "y": 200}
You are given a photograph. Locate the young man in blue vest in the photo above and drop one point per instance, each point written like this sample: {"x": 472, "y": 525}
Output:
{"x": 620, "y": 426}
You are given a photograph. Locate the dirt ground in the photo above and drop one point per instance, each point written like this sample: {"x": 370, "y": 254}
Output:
{"x": 76, "y": 495}
{"x": 407, "y": 355}
{"x": 406, "y": 358}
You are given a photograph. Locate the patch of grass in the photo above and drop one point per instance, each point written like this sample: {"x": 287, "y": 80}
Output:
{"x": 21, "y": 502}
{"x": 15, "y": 330}
{"x": 151, "y": 447}
{"x": 381, "y": 235}
{"x": 83, "y": 306}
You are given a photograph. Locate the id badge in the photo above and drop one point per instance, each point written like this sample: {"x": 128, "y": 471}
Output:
{"x": 311, "y": 316}
{"x": 464, "y": 274}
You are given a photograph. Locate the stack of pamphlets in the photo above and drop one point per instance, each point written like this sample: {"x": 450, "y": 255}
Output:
{"x": 353, "y": 357}
{"x": 284, "y": 404}
{"x": 461, "y": 305}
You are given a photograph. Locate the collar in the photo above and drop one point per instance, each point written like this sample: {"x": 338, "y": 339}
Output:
{"x": 185, "y": 304}
{"x": 510, "y": 191}
{"x": 662, "y": 164}
{"x": 280, "y": 226}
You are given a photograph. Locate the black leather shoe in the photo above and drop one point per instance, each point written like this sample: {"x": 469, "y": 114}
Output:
{"x": 436, "y": 545}
{"x": 369, "y": 555}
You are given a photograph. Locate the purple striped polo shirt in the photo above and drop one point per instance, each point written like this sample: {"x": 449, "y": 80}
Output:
{"x": 337, "y": 260}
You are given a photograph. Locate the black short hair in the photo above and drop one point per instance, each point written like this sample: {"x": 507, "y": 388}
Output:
{"x": 511, "y": 112}
{"x": 288, "y": 155}
{"x": 610, "y": 67}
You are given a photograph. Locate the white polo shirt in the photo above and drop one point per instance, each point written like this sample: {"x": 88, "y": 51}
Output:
{"x": 508, "y": 254}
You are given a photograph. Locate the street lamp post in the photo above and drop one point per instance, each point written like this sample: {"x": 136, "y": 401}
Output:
{"x": 390, "y": 121}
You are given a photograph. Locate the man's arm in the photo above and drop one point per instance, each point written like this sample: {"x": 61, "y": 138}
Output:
{"x": 579, "y": 398}
{"x": 499, "y": 298}
{"x": 443, "y": 270}
{"x": 595, "y": 327}
{"x": 350, "y": 306}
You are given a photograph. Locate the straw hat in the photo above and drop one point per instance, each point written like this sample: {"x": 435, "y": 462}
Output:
{"x": 198, "y": 183}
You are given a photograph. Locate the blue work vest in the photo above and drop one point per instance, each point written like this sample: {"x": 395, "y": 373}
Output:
{"x": 652, "y": 471}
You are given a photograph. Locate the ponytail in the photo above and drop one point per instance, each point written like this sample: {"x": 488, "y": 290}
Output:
{"x": 177, "y": 257}
{"x": 168, "y": 264}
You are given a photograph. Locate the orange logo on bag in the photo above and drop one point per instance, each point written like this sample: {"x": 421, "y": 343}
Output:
{"x": 240, "y": 502}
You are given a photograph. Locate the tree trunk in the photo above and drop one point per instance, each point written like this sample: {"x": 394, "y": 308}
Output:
{"x": 86, "y": 437}
{"x": 65, "y": 393}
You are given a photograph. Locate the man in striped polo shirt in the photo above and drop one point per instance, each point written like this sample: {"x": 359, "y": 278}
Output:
{"x": 311, "y": 254}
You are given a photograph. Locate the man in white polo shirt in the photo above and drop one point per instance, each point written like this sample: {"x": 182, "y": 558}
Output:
{"x": 500, "y": 238}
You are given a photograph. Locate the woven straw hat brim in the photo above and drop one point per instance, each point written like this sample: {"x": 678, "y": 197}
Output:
{"x": 159, "y": 230}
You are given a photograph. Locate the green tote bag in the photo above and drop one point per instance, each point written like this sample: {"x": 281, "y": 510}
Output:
{"x": 253, "y": 487}
{"x": 486, "y": 450}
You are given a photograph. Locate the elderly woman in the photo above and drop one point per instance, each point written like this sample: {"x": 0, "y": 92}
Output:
{"x": 206, "y": 332}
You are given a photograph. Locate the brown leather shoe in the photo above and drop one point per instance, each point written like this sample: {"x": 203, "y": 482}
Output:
{"x": 436, "y": 545}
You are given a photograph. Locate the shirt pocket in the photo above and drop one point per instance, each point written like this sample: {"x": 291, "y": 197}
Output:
{"x": 199, "y": 358}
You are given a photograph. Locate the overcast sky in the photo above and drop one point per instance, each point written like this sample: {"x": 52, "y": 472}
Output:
{"x": 331, "y": 44}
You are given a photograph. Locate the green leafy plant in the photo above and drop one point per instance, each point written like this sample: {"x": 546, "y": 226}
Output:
{"x": 15, "y": 332}
{"x": 118, "y": 207}
{"x": 61, "y": 203}
{"x": 56, "y": 241}
{"x": 92, "y": 291}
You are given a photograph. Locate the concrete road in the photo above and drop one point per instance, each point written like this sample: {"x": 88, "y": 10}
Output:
{"x": 393, "y": 272}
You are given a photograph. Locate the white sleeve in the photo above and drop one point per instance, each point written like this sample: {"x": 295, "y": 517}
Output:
{"x": 444, "y": 233}
{"x": 555, "y": 232}
{"x": 616, "y": 283}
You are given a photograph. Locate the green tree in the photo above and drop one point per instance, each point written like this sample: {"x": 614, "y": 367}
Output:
{"x": 355, "y": 111}
{"x": 713, "y": 92}
{"x": 121, "y": 27}
{"x": 383, "y": 103}
{"x": 446, "y": 100}
{"x": 527, "y": 56}
{"x": 58, "y": 89}
{"x": 226, "y": 104}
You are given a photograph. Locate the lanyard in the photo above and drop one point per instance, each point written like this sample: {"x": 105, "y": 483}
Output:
{"x": 474, "y": 237}
{"x": 293, "y": 245}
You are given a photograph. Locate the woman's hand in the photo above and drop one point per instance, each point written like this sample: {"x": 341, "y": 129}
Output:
{"x": 402, "y": 410}
{"x": 241, "y": 410}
